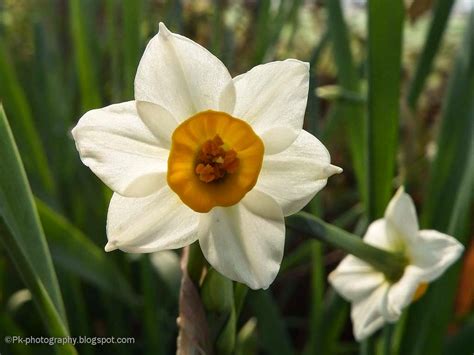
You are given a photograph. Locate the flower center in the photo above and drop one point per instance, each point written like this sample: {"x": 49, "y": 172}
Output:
{"x": 214, "y": 161}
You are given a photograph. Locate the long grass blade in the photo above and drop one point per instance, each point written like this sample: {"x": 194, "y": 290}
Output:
{"x": 87, "y": 75}
{"x": 441, "y": 12}
{"x": 23, "y": 125}
{"x": 23, "y": 237}
{"x": 74, "y": 252}
{"x": 385, "y": 26}
{"x": 132, "y": 11}
{"x": 272, "y": 332}
{"x": 348, "y": 78}
{"x": 448, "y": 202}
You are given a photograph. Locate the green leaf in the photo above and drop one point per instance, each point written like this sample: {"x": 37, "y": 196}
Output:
{"x": 23, "y": 237}
{"x": 349, "y": 81}
{"x": 152, "y": 334}
{"x": 385, "y": 26}
{"x": 269, "y": 24}
{"x": 448, "y": 202}
{"x": 74, "y": 252}
{"x": 132, "y": 11}
{"x": 84, "y": 60}
{"x": 22, "y": 123}
{"x": 334, "y": 318}
{"x": 317, "y": 295}
{"x": 273, "y": 335}
{"x": 441, "y": 12}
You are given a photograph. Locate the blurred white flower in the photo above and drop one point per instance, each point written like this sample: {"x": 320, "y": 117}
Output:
{"x": 376, "y": 300}
{"x": 201, "y": 156}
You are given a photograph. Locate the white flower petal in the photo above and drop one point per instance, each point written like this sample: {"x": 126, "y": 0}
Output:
{"x": 402, "y": 221}
{"x": 156, "y": 222}
{"x": 401, "y": 293}
{"x": 245, "y": 242}
{"x": 378, "y": 236}
{"x": 293, "y": 176}
{"x": 158, "y": 120}
{"x": 182, "y": 77}
{"x": 365, "y": 314}
{"x": 354, "y": 279}
{"x": 115, "y": 144}
{"x": 272, "y": 98}
{"x": 434, "y": 253}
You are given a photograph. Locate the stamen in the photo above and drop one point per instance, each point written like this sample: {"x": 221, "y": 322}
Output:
{"x": 214, "y": 161}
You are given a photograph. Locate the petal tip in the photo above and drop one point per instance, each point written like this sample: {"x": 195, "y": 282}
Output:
{"x": 111, "y": 246}
{"x": 333, "y": 169}
{"x": 163, "y": 30}
{"x": 72, "y": 133}
{"x": 400, "y": 191}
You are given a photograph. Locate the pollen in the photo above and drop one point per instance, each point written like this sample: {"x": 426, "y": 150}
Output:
{"x": 214, "y": 161}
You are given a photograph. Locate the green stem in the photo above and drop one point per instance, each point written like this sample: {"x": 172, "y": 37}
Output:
{"x": 388, "y": 332}
{"x": 392, "y": 265}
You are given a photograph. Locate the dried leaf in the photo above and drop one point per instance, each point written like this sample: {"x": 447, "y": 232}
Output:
{"x": 417, "y": 8}
{"x": 465, "y": 296}
{"x": 193, "y": 335}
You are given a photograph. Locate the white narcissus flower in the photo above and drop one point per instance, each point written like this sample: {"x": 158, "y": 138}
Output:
{"x": 200, "y": 155}
{"x": 376, "y": 300}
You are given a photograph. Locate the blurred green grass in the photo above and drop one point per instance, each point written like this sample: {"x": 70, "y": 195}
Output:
{"x": 60, "y": 58}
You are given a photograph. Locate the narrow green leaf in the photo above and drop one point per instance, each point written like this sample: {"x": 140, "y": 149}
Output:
{"x": 269, "y": 26}
{"x": 17, "y": 106}
{"x": 385, "y": 34}
{"x": 76, "y": 307}
{"x": 317, "y": 296}
{"x": 449, "y": 200}
{"x": 302, "y": 254}
{"x": 385, "y": 25}
{"x": 349, "y": 80}
{"x": 273, "y": 335}
{"x": 132, "y": 11}
{"x": 23, "y": 237}
{"x": 218, "y": 28}
{"x": 367, "y": 347}
{"x": 312, "y": 108}
{"x": 335, "y": 313}
{"x": 90, "y": 96}
{"x": 150, "y": 309}
{"x": 261, "y": 30}
{"x": 441, "y": 12}
{"x": 174, "y": 15}
{"x": 455, "y": 141}
{"x": 8, "y": 326}
{"x": 74, "y": 252}
{"x": 113, "y": 50}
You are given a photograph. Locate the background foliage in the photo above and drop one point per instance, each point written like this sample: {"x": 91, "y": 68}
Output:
{"x": 392, "y": 97}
